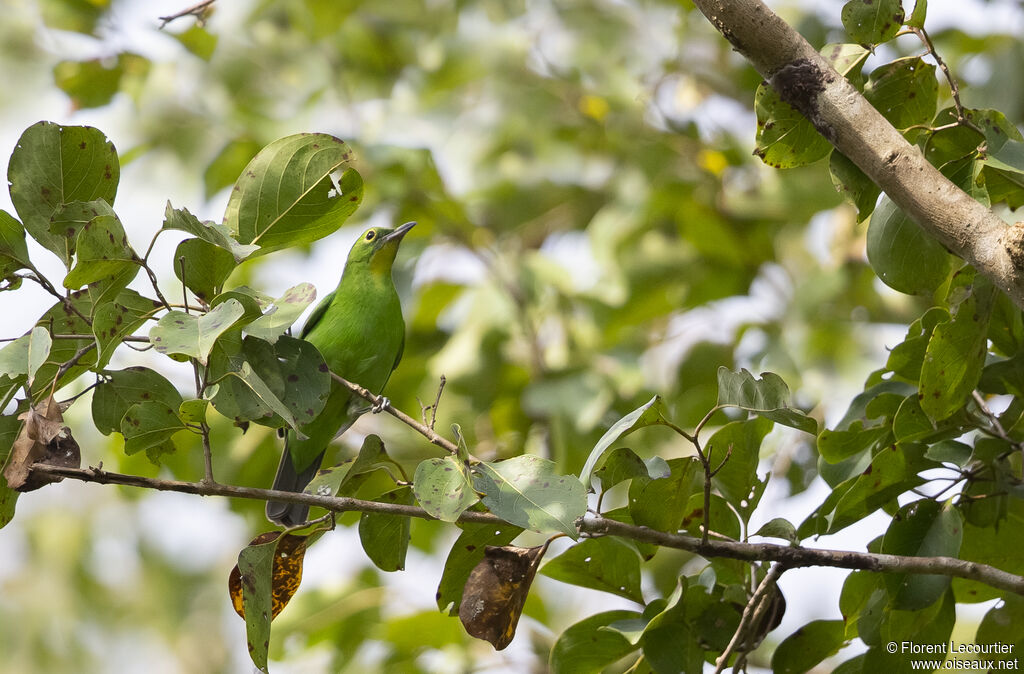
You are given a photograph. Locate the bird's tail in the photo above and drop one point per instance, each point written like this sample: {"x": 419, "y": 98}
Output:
{"x": 288, "y": 479}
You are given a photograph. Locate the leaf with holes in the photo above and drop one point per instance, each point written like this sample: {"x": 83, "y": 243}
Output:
{"x": 871, "y": 22}
{"x": 286, "y": 196}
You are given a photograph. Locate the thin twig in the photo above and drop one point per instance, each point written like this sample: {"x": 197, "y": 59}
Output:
{"x": 385, "y": 405}
{"x": 790, "y": 556}
{"x": 48, "y": 287}
{"x": 198, "y": 10}
{"x": 756, "y": 606}
{"x": 954, "y": 89}
{"x": 184, "y": 288}
{"x": 437, "y": 401}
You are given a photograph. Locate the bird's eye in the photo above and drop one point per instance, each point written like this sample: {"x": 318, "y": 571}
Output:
{"x": 370, "y": 234}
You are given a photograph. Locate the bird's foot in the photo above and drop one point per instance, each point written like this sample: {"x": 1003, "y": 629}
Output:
{"x": 379, "y": 406}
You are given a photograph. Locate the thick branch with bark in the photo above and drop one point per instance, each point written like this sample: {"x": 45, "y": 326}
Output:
{"x": 789, "y": 556}
{"x": 805, "y": 80}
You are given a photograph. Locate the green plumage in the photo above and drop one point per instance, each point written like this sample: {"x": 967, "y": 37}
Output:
{"x": 360, "y": 332}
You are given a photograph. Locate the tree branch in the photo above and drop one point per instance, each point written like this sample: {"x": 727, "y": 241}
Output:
{"x": 805, "y": 80}
{"x": 383, "y": 404}
{"x": 789, "y": 556}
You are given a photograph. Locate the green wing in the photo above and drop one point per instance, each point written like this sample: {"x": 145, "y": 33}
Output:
{"x": 317, "y": 314}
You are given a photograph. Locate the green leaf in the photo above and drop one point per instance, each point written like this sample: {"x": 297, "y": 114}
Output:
{"x": 767, "y": 397}
{"x": 956, "y": 351}
{"x": 785, "y": 139}
{"x": 13, "y": 251}
{"x": 26, "y": 354}
{"x": 193, "y": 411}
{"x": 93, "y": 83}
{"x": 905, "y": 91}
{"x": 202, "y": 267}
{"x": 661, "y": 503}
{"x": 619, "y": 465}
{"x": 847, "y": 59}
{"x": 997, "y": 546}
{"x": 466, "y": 553}
{"x": 607, "y": 563}
{"x": 950, "y": 451}
{"x": 256, "y": 565}
{"x": 385, "y": 538}
{"x": 907, "y": 357}
{"x": 778, "y": 527}
{"x": 180, "y": 219}
{"x": 10, "y": 426}
{"x": 871, "y": 22}
{"x": 526, "y": 491}
{"x": 924, "y": 528}
{"x": 54, "y": 165}
{"x": 808, "y": 646}
{"x": 122, "y": 389}
{"x": 149, "y": 424}
{"x": 917, "y": 17}
{"x": 851, "y": 182}
{"x": 647, "y": 414}
{"x": 115, "y": 320}
{"x": 1002, "y": 174}
{"x": 443, "y": 488}
{"x": 585, "y": 648}
{"x": 902, "y": 254}
{"x": 892, "y": 471}
{"x": 284, "y": 311}
{"x": 1001, "y": 625}
{"x": 286, "y": 383}
{"x": 202, "y": 43}
{"x": 194, "y": 336}
{"x": 286, "y": 195}
{"x": 737, "y": 480}
{"x": 101, "y": 252}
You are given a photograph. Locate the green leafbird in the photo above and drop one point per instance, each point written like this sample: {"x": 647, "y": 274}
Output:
{"x": 360, "y": 332}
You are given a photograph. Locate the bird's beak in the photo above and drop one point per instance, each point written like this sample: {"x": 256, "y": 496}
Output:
{"x": 399, "y": 232}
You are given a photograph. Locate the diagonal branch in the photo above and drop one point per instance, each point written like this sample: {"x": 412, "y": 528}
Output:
{"x": 788, "y": 556}
{"x": 842, "y": 115}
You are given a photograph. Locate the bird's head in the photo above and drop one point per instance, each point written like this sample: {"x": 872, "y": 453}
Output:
{"x": 378, "y": 246}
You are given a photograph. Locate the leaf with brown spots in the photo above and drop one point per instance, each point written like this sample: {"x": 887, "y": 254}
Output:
{"x": 496, "y": 592}
{"x": 957, "y": 349}
{"x": 54, "y": 165}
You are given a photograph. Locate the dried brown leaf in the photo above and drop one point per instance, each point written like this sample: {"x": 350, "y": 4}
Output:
{"x": 496, "y": 591}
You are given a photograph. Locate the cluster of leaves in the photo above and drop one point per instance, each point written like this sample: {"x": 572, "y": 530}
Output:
{"x": 921, "y": 434}
{"x": 63, "y": 181}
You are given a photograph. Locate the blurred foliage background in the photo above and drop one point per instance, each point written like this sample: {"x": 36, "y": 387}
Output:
{"x": 593, "y": 229}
